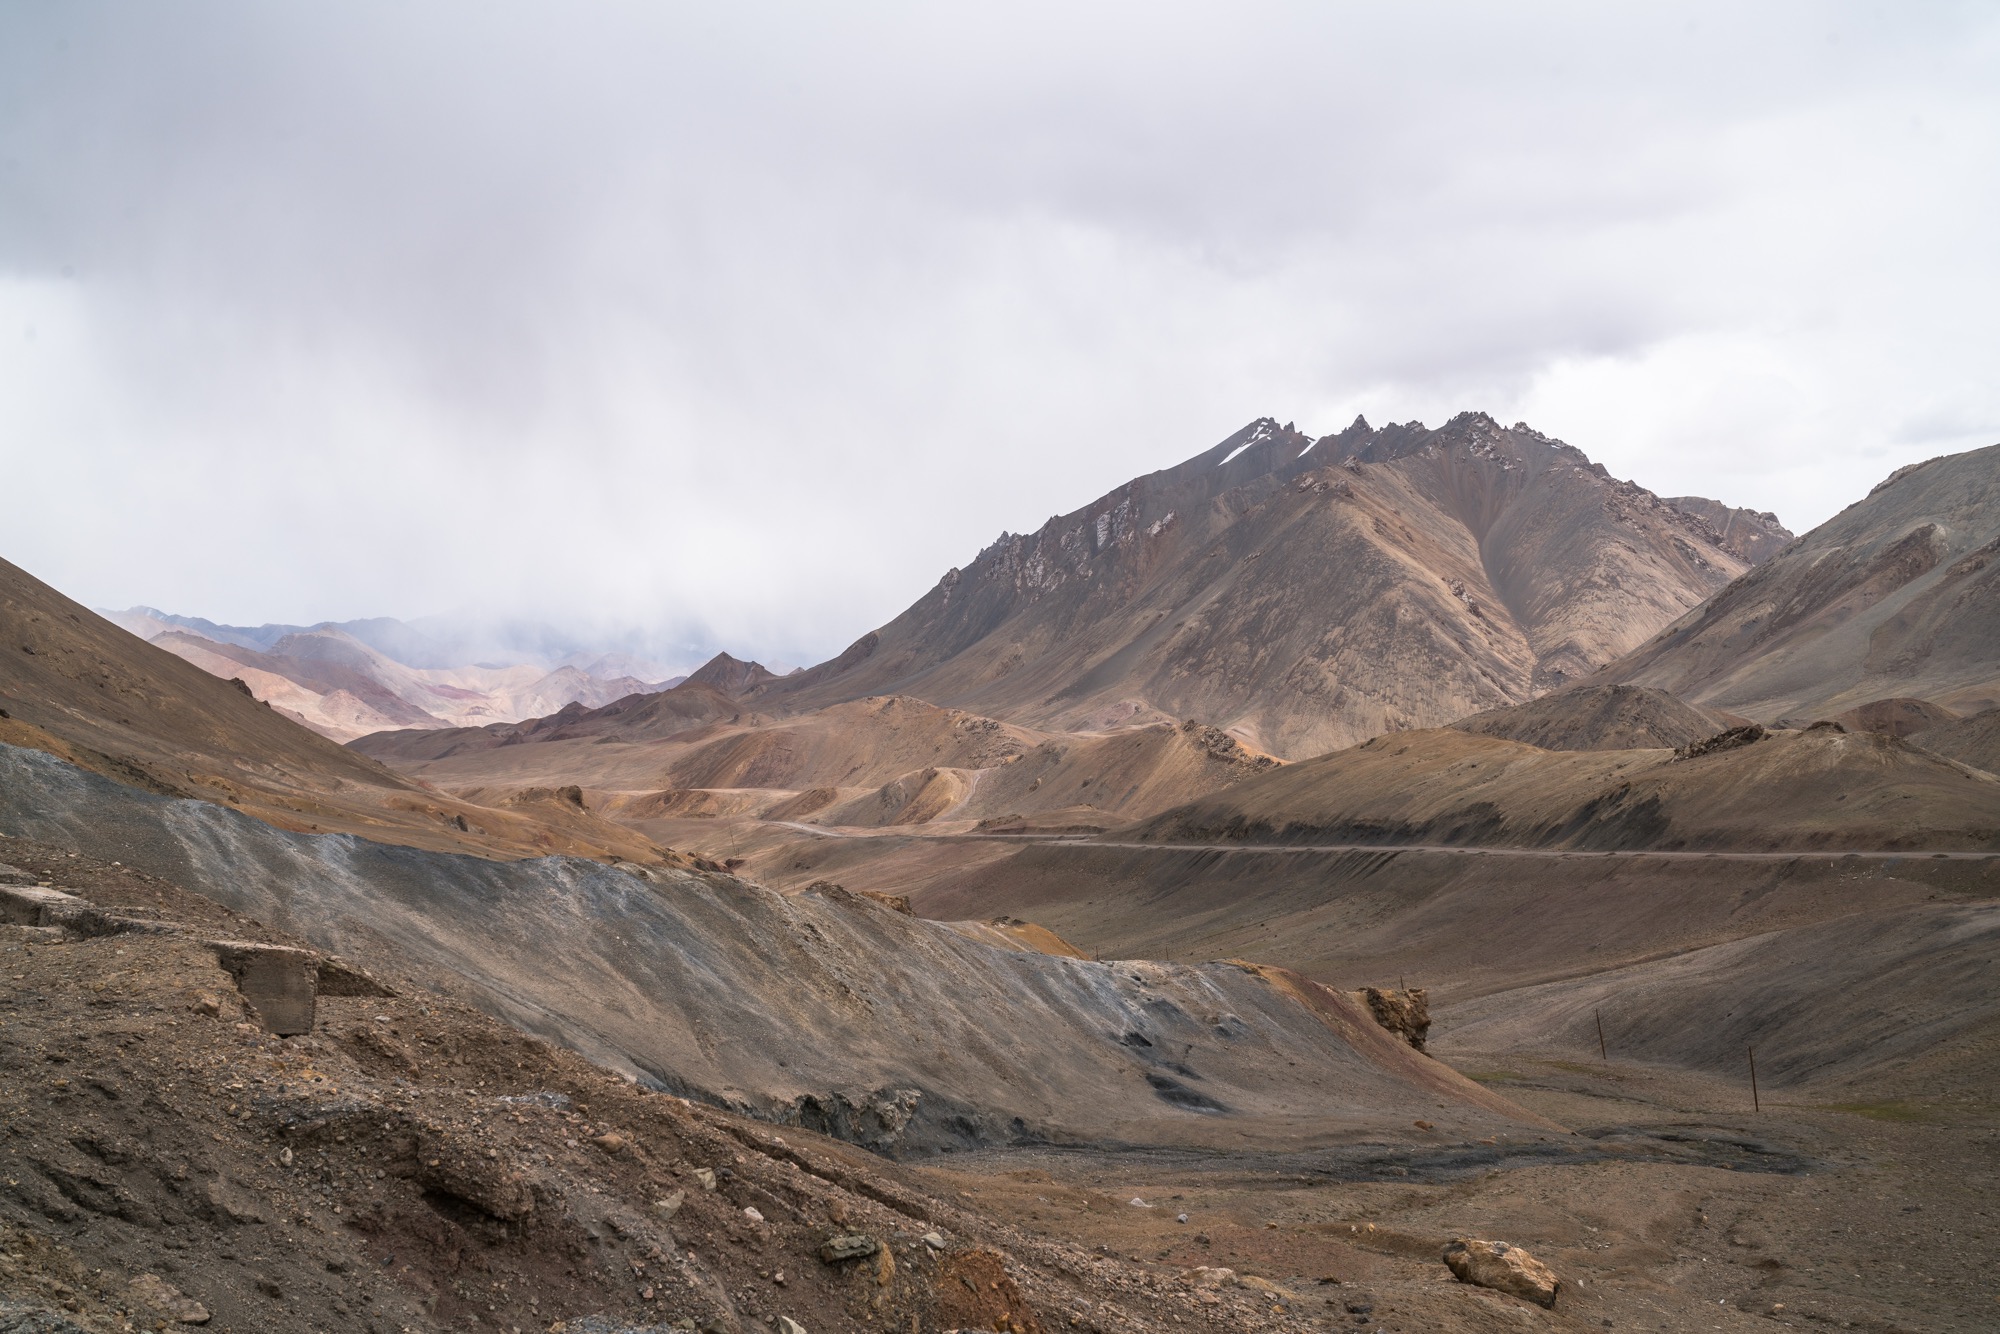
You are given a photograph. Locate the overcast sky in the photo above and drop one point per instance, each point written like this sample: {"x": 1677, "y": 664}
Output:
{"x": 759, "y": 317}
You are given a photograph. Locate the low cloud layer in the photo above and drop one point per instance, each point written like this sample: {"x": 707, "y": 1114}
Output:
{"x": 757, "y": 317}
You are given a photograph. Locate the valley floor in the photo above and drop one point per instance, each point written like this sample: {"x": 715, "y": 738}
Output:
{"x": 1678, "y": 1209}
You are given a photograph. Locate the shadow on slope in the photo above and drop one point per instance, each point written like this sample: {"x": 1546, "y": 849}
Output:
{"x": 826, "y": 1010}
{"x": 1821, "y": 789}
{"x": 1818, "y": 1002}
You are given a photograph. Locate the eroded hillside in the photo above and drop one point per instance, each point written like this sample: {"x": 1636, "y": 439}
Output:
{"x": 1306, "y": 594}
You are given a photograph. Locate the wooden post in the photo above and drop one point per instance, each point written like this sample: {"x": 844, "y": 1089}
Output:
{"x": 1600, "y": 1037}
{"x": 1755, "y": 1103}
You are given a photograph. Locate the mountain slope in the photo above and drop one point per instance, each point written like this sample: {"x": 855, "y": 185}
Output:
{"x": 1894, "y": 597}
{"x": 1305, "y": 594}
{"x": 823, "y": 1009}
{"x": 1599, "y": 718}
{"x": 77, "y": 686}
{"x": 1818, "y": 789}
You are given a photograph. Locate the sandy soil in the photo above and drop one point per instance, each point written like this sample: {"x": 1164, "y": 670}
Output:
{"x": 1685, "y": 1210}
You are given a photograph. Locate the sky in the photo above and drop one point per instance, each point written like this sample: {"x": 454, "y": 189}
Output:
{"x": 745, "y": 322}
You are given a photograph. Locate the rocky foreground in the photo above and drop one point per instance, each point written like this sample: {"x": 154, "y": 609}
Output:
{"x": 408, "y": 1163}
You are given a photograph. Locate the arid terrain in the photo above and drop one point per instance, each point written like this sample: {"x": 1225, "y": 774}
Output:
{"x": 342, "y": 686}
{"x": 1203, "y": 913}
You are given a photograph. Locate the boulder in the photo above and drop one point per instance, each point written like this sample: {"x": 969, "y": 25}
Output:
{"x": 848, "y": 1246}
{"x": 153, "y": 1291}
{"x": 1404, "y": 1011}
{"x": 281, "y": 983}
{"x": 1503, "y": 1268}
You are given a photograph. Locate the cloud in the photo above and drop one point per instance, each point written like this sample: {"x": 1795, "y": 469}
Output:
{"x": 757, "y": 318}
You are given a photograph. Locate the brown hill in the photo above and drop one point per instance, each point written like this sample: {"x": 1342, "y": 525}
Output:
{"x": 1818, "y": 789}
{"x": 893, "y": 760}
{"x": 1974, "y": 740}
{"x": 730, "y": 675}
{"x": 647, "y": 717}
{"x": 1895, "y": 717}
{"x": 1305, "y": 594}
{"x": 1598, "y": 718}
{"x": 1894, "y": 597}
{"x": 77, "y": 686}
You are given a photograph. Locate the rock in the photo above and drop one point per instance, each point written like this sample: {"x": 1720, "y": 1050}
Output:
{"x": 1406, "y": 1012}
{"x": 1504, "y": 1268}
{"x": 934, "y": 1240}
{"x": 154, "y": 1291}
{"x": 847, "y": 1246}
{"x": 787, "y": 1325}
{"x": 753, "y": 1215}
{"x": 208, "y": 1003}
{"x": 457, "y": 1170}
{"x": 281, "y": 983}
{"x": 20, "y": 1318}
{"x": 611, "y": 1142}
{"x": 229, "y": 1203}
{"x": 706, "y": 1176}
{"x": 671, "y": 1205}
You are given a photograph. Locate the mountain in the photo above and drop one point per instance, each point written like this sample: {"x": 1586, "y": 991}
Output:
{"x": 732, "y": 676}
{"x": 1306, "y": 594}
{"x": 1895, "y": 597}
{"x": 77, "y": 686}
{"x": 446, "y": 642}
{"x": 342, "y": 686}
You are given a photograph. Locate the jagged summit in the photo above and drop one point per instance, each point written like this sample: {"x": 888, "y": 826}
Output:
{"x": 1305, "y": 593}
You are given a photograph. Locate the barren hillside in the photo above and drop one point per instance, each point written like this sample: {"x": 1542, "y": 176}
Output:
{"x": 1306, "y": 594}
{"x": 1894, "y": 597}
{"x": 1818, "y": 789}
{"x": 77, "y": 686}
{"x": 871, "y": 762}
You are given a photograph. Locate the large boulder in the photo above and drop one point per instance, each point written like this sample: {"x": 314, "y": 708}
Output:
{"x": 1504, "y": 1268}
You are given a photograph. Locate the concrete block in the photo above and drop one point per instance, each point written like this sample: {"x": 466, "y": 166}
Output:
{"x": 281, "y": 983}
{"x": 28, "y": 905}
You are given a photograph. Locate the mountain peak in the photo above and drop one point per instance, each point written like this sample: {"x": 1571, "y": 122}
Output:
{"x": 730, "y": 675}
{"x": 1273, "y": 586}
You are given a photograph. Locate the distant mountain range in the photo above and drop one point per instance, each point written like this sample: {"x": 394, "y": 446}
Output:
{"x": 347, "y": 679}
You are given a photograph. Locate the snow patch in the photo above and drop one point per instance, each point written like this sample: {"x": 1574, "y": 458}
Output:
{"x": 1257, "y": 437}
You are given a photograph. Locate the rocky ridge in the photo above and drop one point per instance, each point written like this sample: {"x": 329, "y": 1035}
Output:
{"x": 1303, "y": 594}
